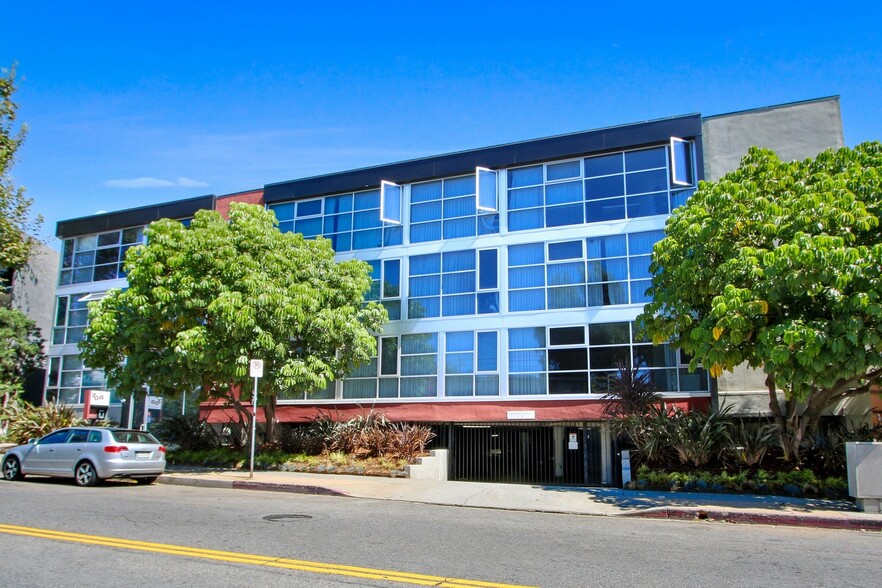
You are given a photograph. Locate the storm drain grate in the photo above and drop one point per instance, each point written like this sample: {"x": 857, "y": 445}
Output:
{"x": 281, "y": 518}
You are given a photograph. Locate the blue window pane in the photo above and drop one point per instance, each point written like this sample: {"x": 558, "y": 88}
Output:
{"x": 367, "y": 200}
{"x": 425, "y": 232}
{"x": 359, "y": 388}
{"x": 599, "y": 247}
{"x": 459, "y": 363}
{"x": 603, "y": 165}
{"x": 428, "y": 211}
{"x": 367, "y": 220}
{"x": 459, "y": 186}
{"x": 376, "y": 269}
{"x": 309, "y": 227}
{"x": 367, "y": 239}
{"x": 679, "y": 198}
{"x": 458, "y": 385}
{"x": 489, "y": 273}
{"x": 459, "y": 305}
{"x": 488, "y": 352}
{"x": 523, "y": 300}
{"x": 286, "y": 227}
{"x": 310, "y": 208}
{"x": 648, "y": 181}
{"x": 391, "y": 278}
{"x": 488, "y": 224}
{"x": 283, "y": 211}
{"x": 488, "y": 302}
{"x": 606, "y": 187}
{"x": 525, "y": 198}
{"x": 609, "y": 334}
{"x": 487, "y": 385}
{"x": 526, "y": 361}
{"x": 458, "y": 207}
{"x": 460, "y": 341}
{"x": 425, "y": 285}
{"x": 565, "y": 250}
{"x": 608, "y": 294}
{"x": 458, "y": 283}
{"x": 558, "y": 216}
{"x": 522, "y": 220}
{"x": 393, "y": 308}
{"x": 365, "y": 370}
{"x": 567, "y": 297}
{"x": 419, "y": 365}
{"x": 335, "y": 204}
{"x": 338, "y": 223}
{"x": 645, "y": 159}
{"x": 525, "y": 176}
{"x": 419, "y": 343}
{"x": 527, "y": 385}
{"x": 419, "y": 387}
{"x": 425, "y": 192}
{"x": 423, "y": 307}
{"x": 560, "y": 274}
{"x": 562, "y": 193}
{"x": 608, "y": 270}
{"x": 533, "y": 253}
{"x": 560, "y": 171}
{"x": 455, "y": 261}
{"x": 649, "y": 205}
{"x": 388, "y": 387}
{"x": 640, "y": 267}
{"x": 393, "y": 236}
{"x": 638, "y": 291}
{"x": 604, "y": 210}
{"x": 463, "y": 227}
{"x": 425, "y": 264}
{"x": 341, "y": 242}
{"x": 526, "y": 277}
{"x": 526, "y": 338}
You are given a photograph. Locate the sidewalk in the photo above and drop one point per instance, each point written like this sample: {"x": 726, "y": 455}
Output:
{"x": 770, "y": 510}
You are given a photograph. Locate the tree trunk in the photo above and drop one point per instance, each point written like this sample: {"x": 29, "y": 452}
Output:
{"x": 269, "y": 413}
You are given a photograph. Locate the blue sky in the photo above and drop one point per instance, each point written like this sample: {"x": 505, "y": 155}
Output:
{"x": 136, "y": 103}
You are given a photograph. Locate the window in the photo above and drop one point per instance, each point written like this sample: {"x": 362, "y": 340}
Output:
{"x": 448, "y": 209}
{"x": 68, "y": 378}
{"x": 599, "y": 271}
{"x": 386, "y": 285}
{"x": 486, "y": 184}
{"x": 351, "y": 222}
{"x": 681, "y": 163}
{"x": 390, "y": 202}
{"x": 95, "y": 258}
{"x": 71, "y": 318}
{"x": 446, "y": 284}
{"x": 471, "y": 364}
{"x": 407, "y": 367}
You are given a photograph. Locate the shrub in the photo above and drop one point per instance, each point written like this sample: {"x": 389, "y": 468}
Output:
{"x": 750, "y": 441}
{"x": 186, "y": 433}
{"x": 31, "y": 422}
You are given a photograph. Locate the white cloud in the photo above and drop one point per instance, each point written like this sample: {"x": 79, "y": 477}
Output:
{"x": 135, "y": 183}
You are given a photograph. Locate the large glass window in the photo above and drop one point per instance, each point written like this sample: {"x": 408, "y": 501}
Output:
{"x": 71, "y": 318}
{"x": 598, "y": 271}
{"x": 386, "y": 285}
{"x": 67, "y": 380}
{"x": 448, "y": 284}
{"x": 406, "y": 367}
{"x": 351, "y": 221}
{"x": 447, "y": 209}
{"x": 95, "y": 258}
{"x": 471, "y": 364}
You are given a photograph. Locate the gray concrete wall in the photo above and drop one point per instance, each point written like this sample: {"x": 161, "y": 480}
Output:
{"x": 33, "y": 288}
{"x": 793, "y": 131}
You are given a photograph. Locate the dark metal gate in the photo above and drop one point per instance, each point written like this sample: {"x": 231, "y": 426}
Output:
{"x": 526, "y": 453}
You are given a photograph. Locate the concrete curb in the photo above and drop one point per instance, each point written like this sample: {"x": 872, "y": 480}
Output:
{"x": 759, "y": 518}
{"x": 293, "y": 488}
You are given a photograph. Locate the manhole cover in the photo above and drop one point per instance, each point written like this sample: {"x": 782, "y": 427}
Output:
{"x": 281, "y": 518}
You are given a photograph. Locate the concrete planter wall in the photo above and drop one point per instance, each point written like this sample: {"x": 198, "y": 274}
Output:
{"x": 864, "y": 462}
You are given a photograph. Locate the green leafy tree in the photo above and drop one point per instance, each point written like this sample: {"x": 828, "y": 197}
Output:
{"x": 204, "y": 300}
{"x": 15, "y": 221}
{"x": 21, "y": 350}
{"x": 779, "y": 266}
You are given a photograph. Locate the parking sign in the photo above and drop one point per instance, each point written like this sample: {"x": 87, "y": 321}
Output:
{"x": 256, "y": 368}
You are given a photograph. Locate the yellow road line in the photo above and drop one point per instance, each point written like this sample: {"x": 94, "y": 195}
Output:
{"x": 260, "y": 560}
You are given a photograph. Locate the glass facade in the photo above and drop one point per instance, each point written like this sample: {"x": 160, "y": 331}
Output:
{"x": 95, "y": 258}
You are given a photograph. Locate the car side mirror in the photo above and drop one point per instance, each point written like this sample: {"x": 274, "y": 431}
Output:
{"x": 32, "y": 441}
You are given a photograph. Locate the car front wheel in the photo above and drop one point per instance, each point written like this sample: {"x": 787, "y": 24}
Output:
{"x": 12, "y": 469}
{"x": 85, "y": 474}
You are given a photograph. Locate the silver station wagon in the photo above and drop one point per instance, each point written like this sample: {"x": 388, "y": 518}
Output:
{"x": 88, "y": 455}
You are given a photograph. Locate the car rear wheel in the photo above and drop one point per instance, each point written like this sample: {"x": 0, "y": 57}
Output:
{"x": 146, "y": 481}
{"x": 85, "y": 474}
{"x": 12, "y": 469}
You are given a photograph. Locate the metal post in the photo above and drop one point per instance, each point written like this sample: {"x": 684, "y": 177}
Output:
{"x": 131, "y": 410}
{"x": 253, "y": 426}
{"x": 146, "y": 410}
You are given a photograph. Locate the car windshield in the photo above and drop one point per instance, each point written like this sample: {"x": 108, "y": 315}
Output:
{"x": 133, "y": 437}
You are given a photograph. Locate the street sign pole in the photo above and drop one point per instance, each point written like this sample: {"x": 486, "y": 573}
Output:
{"x": 256, "y": 373}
